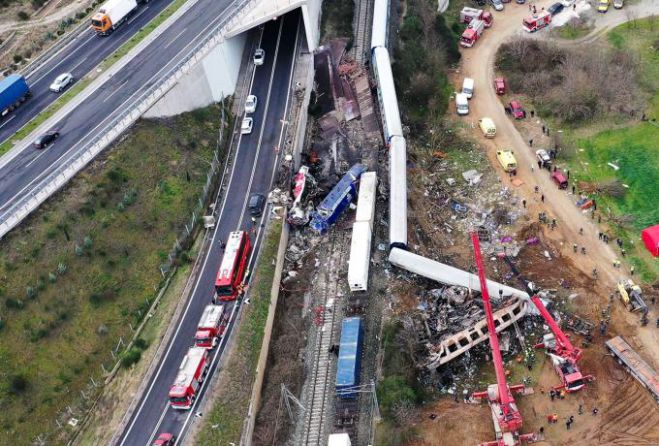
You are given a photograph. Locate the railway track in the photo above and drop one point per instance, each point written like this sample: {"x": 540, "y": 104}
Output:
{"x": 361, "y": 25}
{"x": 327, "y": 312}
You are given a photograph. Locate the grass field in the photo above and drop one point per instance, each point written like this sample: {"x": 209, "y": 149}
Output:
{"x": 83, "y": 267}
{"x": 224, "y": 423}
{"x": 633, "y": 148}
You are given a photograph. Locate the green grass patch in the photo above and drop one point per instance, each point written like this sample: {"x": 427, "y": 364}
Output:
{"x": 83, "y": 83}
{"x": 633, "y": 148}
{"x": 336, "y": 20}
{"x": 231, "y": 404}
{"x": 572, "y": 31}
{"x": 84, "y": 266}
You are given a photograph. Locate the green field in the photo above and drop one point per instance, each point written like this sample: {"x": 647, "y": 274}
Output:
{"x": 634, "y": 148}
{"x": 86, "y": 264}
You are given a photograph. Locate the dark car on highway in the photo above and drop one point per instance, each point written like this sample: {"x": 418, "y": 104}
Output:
{"x": 46, "y": 139}
{"x": 555, "y": 9}
{"x": 256, "y": 203}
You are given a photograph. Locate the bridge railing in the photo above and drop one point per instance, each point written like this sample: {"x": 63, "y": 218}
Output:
{"x": 88, "y": 150}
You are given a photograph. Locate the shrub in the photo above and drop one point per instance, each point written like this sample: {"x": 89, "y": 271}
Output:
{"x": 18, "y": 58}
{"x": 61, "y": 268}
{"x": 393, "y": 391}
{"x": 22, "y": 15}
{"x": 14, "y": 304}
{"x": 52, "y": 278}
{"x": 18, "y": 384}
{"x": 31, "y": 292}
{"x": 130, "y": 357}
{"x": 141, "y": 344}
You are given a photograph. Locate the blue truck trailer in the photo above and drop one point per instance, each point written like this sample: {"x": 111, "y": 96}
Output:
{"x": 13, "y": 92}
{"x": 350, "y": 352}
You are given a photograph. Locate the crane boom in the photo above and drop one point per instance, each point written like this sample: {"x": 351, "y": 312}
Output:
{"x": 566, "y": 349}
{"x": 504, "y": 393}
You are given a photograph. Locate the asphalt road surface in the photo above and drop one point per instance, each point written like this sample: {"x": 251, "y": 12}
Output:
{"x": 77, "y": 57}
{"x": 26, "y": 172}
{"x": 252, "y": 172}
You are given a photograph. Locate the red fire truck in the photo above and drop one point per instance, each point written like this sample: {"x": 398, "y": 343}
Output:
{"x": 211, "y": 326}
{"x": 229, "y": 282}
{"x": 473, "y": 32}
{"x": 534, "y": 23}
{"x": 191, "y": 374}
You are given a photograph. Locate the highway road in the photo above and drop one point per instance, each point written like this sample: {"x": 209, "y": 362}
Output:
{"x": 77, "y": 57}
{"x": 252, "y": 171}
{"x": 26, "y": 172}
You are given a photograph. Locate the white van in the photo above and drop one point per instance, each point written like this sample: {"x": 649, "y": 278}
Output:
{"x": 468, "y": 87}
{"x": 462, "y": 104}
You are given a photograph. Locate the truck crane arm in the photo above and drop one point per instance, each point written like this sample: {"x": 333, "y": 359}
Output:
{"x": 564, "y": 348}
{"x": 504, "y": 394}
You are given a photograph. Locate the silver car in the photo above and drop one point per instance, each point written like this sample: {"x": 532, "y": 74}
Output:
{"x": 61, "y": 82}
{"x": 246, "y": 127}
{"x": 250, "y": 104}
{"x": 496, "y": 4}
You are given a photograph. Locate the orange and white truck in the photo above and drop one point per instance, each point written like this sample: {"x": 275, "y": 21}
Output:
{"x": 112, "y": 14}
{"x": 211, "y": 326}
{"x": 534, "y": 23}
{"x": 191, "y": 374}
{"x": 473, "y": 32}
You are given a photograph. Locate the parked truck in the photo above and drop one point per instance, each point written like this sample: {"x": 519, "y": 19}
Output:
{"x": 468, "y": 14}
{"x": 632, "y": 296}
{"x": 191, "y": 374}
{"x": 473, "y": 32}
{"x": 112, "y": 14}
{"x": 13, "y": 92}
{"x": 534, "y": 23}
{"x": 211, "y": 327}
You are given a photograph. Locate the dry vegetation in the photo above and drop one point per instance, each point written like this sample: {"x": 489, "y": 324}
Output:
{"x": 574, "y": 84}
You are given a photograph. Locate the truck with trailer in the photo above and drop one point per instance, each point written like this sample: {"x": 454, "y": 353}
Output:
{"x": 468, "y": 14}
{"x": 191, "y": 374}
{"x": 13, "y": 92}
{"x": 348, "y": 365}
{"x": 535, "y": 23}
{"x": 635, "y": 365}
{"x": 211, "y": 327}
{"x": 112, "y": 14}
{"x": 473, "y": 32}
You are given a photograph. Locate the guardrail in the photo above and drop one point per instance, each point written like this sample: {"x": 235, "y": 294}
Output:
{"x": 59, "y": 177}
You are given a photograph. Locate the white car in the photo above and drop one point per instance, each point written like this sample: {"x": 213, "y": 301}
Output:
{"x": 543, "y": 156}
{"x": 567, "y": 3}
{"x": 259, "y": 57}
{"x": 61, "y": 82}
{"x": 246, "y": 127}
{"x": 250, "y": 104}
{"x": 496, "y": 4}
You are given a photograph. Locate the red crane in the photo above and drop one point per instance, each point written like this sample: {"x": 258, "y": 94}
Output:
{"x": 563, "y": 354}
{"x": 507, "y": 418}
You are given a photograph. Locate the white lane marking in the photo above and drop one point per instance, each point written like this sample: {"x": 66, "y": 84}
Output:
{"x": 82, "y": 45}
{"x": 137, "y": 15}
{"x": 73, "y": 68}
{"x": 260, "y": 231}
{"x": 7, "y": 121}
{"x": 115, "y": 90}
{"x": 43, "y": 152}
{"x": 263, "y": 124}
{"x": 145, "y": 396}
{"x": 175, "y": 37}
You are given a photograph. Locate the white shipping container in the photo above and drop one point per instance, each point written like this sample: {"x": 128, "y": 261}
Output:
{"x": 398, "y": 193}
{"x": 387, "y": 94}
{"x": 342, "y": 439}
{"x": 360, "y": 256}
{"x": 366, "y": 199}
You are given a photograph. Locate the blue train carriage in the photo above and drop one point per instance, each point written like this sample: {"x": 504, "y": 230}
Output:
{"x": 329, "y": 210}
{"x": 350, "y": 351}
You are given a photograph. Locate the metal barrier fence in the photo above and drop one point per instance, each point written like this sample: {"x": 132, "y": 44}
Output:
{"x": 59, "y": 177}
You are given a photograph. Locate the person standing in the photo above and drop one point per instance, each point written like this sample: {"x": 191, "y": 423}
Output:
{"x": 542, "y": 198}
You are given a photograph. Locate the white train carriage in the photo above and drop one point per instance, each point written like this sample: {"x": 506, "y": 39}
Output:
{"x": 397, "y": 193}
{"x": 360, "y": 256}
{"x": 386, "y": 94}
{"x": 380, "y": 30}
{"x": 366, "y": 199}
